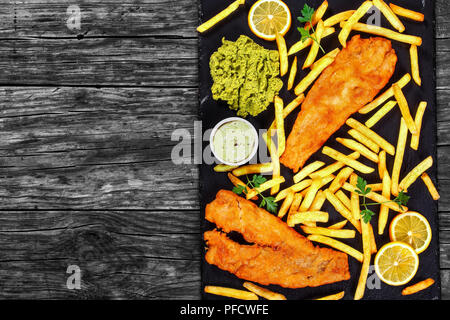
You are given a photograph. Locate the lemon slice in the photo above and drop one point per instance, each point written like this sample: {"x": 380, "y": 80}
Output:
{"x": 396, "y": 263}
{"x": 411, "y": 228}
{"x": 267, "y": 17}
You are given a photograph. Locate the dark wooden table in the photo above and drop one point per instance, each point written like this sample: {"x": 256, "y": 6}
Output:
{"x": 86, "y": 119}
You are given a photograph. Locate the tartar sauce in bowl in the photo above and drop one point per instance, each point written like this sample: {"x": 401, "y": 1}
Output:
{"x": 234, "y": 141}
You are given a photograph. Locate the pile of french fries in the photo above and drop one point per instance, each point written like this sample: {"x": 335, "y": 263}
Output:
{"x": 336, "y": 183}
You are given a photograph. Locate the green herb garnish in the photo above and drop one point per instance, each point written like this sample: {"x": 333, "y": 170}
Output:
{"x": 306, "y": 17}
{"x": 256, "y": 182}
{"x": 362, "y": 189}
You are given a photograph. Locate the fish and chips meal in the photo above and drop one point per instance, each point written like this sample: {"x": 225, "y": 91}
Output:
{"x": 275, "y": 229}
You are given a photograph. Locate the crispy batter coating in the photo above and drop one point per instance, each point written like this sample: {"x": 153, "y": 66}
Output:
{"x": 356, "y": 76}
{"x": 279, "y": 254}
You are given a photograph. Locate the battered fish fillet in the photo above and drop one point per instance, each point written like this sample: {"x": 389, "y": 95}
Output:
{"x": 279, "y": 254}
{"x": 356, "y": 76}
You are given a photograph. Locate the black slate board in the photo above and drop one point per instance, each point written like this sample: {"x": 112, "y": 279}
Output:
{"x": 212, "y": 112}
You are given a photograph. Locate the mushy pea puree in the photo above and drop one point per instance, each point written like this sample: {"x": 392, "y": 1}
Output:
{"x": 234, "y": 141}
{"x": 245, "y": 75}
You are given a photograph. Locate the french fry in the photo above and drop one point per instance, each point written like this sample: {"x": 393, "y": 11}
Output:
{"x": 385, "y": 95}
{"x": 371, "y": 135}
{"x": 318, "y": 14}
{"x": 430, "y": 186}
{"x": 415, "y": 173}
{"x": 286, "y": 205}
{"x": 373, "y": 244}
{"x": 337, "y": 18}
{"x": 312, "y": 76}
{"x": 387, "y": 33}
{"x": 382, "y": 164}
{"x": 422, "y": 285}
{"x": 294, "y": 208}
{"x": 339, "y": 225}
{"x": 336, "y": 155}
{"x": 384, "y": 210}
{"x": 355, "y": 17}
{"x": 310, "y": 195}
{"x": 378, "y": 198}
{"x": 415, "y": 139}
{"x": 380, "y": 113}
{"x": 252, "y": 169}
{"x": 325, "y": 172}
{"x": 262, "y": 292}
{"x": 339, "y": 206}
{"x": 275, "y": 162}
{"x": 415, "y": 65}
{"x": 331, "y": 54}
{"x": 238, "y": 182}
{"x": 231, "y": 293}
{"x": 399, "y": 154}
{"x": 323, "y": 183}
{"x": 340, "y": 179}
{"x": 337, "y": 296}
{"x": 224, "y": 168}
{"x": 389, "y": 14}
{"x": 375, "y": 186}
{"x": 358, "y": 136}
{"x": 220, "y": 16}
{"x": 344, "y": 199}
{"x": 282, "y": 50}
{"x": 315, "y": 46}
{"x": 300, "y": 45}
{"x": 318, "y": 201}
{"x": 279, "y": 121}
{"x": 309, "y": 216}
{"x": 332, "y": 233}
{"x": 337, "y": 245}
{"x": 287, "y": 111}
{"x": 402, "y": 12}
{"x": 294, "y": 188}
{"x": 354, "y": 198}
{"x": 367, "y": 255}
{"x": 307, "y": 170}
{"x": 356, "y": 146}
{"x": 317, "y": 204}
{"x": 265, "y": 186}
{"x": 404, "y": 108}
{"x": 292, "y": 74}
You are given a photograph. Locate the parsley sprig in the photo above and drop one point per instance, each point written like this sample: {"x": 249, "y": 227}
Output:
{"x": 306, "y": 17}
{"x": 367, "y": 214}
{"x": 256, "y": 182}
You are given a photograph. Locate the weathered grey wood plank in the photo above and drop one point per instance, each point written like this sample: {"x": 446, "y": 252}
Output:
{"x": 106, "y": 61}
{"x": 103, "y": 277}
{"x": 445, "y": 284}
{"x": 121, "y": 254}
{"x": 37, "y": 18}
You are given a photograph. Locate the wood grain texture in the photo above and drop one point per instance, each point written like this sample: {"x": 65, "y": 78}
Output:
{"x": 99, "y": 18}
{"x": 86, "y": 119}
